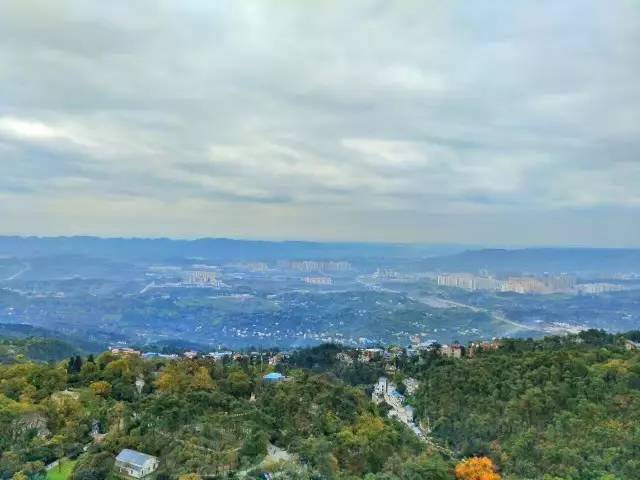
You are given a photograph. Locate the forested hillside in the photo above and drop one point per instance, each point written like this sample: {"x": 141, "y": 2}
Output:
{"x": 567, "y": 407}
{"x": 34, "y": 348}
{"x": 560, "y": 408}
{"x": 201, "y": 417}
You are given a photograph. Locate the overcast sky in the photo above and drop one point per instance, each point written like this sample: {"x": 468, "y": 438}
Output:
{"x": 475, "y": 122}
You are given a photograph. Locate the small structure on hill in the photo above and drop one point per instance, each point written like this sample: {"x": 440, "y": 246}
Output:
{"x": 273, "y": 377}
{"x": 133, "y": 464}
{"x": 631, "y": 345}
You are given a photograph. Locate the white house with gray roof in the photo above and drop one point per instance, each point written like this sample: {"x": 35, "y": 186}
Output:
{"x": 133, "y": 464}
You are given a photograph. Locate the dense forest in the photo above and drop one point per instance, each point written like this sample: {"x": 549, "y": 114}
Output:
{"x": 560, "y": 408}
{"x": 34, "y": 348}
{"x": 201, "y": 418}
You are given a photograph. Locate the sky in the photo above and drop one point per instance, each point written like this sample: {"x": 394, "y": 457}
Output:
{"x": 487, "y": 122}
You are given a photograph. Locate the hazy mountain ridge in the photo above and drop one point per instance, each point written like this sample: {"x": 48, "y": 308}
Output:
{"x": 219, "y": 249}
{"x": 541, "y": 260}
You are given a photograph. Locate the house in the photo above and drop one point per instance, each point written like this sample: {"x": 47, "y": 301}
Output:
{"x": 484, "y": 346}
{"x": 191, "y": 354}
{"x": 124, "y": 351}
{"x": 219, "y": 355}
{"x": 412, "y": 352}
{"x": 133, "y": 464}
{"x": 276, "y": 359}
{"x": 451, "y": 351}
{"x": 411, "y": 384}
{"x": 631, "y": 345}
{"x": 369, "y": 354}
{"x": 273, "y": 377}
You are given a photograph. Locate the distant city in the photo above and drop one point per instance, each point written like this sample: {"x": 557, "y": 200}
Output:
{"x": 239, "y": 294}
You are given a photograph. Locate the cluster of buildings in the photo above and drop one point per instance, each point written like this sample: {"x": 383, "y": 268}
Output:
{"x": 385, "y": 273}
{"x": 316, "y": 266}
{"x": 201, "y": 277}
{"x": 388, "y": 355}
{"x": 523, "y": 284}
{"x": 386, "y": 391}
{"x": 125, "y": 351}
{"x": 318, "y": 280}
{"x": 600, "y": 287}
{"x": 268, "y": 357}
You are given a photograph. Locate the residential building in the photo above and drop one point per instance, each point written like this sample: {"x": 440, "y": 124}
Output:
{"x": 631, "y": 345}
{"x": 276, "y": 359}
{"x": 201, "y": 277}
{"x": 368, "y": 354}
{"x": 273, "y": 377}
{"x": 457, "y": 280}
{"x": 475, "y": 347}
{"x": 318, "y": 280}
{"x": 124, "y": 351}
{"x": 452, "y": 351}
{"x": 134, "y": 464}
{"x": 411, "y": 384}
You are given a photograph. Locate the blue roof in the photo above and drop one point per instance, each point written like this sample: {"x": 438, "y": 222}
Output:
{"x": 133, "y": 457}
{"x": 273, "y": 376}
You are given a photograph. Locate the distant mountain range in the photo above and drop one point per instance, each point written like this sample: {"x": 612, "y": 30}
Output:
{"x": 540, "y": 260}
{"x": 447, "y": 257}
{"x": 215, "y": 249}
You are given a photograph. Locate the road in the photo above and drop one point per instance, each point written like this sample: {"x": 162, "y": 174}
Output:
{"x": 26, "y": 267}
{"x": 444, "y": 303}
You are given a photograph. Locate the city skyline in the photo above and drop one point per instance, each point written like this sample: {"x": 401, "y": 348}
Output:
{"x": 482, "y": 124}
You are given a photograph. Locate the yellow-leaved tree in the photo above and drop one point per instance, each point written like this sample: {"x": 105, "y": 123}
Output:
{"x": 101, "y": 388}
{"x": 476, "y": 468}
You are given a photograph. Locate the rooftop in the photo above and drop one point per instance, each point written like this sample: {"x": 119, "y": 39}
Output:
{"x": 134, "y": 457}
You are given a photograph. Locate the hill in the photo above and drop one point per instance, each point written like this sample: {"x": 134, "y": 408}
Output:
{"x": 562, "y": 407}
{"x": 201, "y": 417}
{"x": 215, "y": 249}
{"x": 540, "y": 260}
{"x": 37, "y": 349}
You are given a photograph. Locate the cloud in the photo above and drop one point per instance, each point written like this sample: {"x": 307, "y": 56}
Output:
{"x": 371, "y": 120}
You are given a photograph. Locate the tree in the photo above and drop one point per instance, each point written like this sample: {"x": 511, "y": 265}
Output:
{"x": 95, "y": 467}
{"x": 202, "y": 380}
{"x": 19, "y": 476}
{"x": 476, "y": 468}
{"x": 173, "y": 379}
{"x": 189, "y": 476}
{"x": 239, "y": 383}
{"x": 255, "y": 446}
{"x": 101, "y": 388}
{"x": 71, "y": 364}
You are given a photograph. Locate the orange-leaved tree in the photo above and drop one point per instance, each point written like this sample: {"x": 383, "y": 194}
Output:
{"x": 476, "y": 468}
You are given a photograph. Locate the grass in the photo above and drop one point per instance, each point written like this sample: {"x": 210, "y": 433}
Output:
{"x": 61, "y": 473}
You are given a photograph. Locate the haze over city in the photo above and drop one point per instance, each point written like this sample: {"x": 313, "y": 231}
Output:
{"x": 486, "y": 123}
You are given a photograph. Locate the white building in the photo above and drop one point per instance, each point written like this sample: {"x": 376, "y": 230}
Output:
{"x": 411, "y": 385}
{"x": 133, "y": 464}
